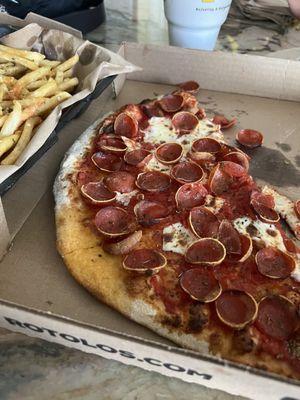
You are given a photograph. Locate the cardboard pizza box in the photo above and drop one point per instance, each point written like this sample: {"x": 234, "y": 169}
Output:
{"x": 39, "y": 297}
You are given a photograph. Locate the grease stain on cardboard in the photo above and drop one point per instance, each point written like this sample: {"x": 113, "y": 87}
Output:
{"x": 271, "y": 166}
{"x": 283, "y": 146}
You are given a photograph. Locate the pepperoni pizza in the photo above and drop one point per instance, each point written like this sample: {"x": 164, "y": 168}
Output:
{"x": 158, "y": 217}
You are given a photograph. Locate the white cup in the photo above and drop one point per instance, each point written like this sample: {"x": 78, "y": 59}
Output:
{"x": 195, "y": 23}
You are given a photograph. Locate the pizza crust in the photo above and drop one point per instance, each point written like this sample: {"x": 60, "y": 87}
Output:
{"x": 103, "y": 276}
{"x": 75, "y": 153}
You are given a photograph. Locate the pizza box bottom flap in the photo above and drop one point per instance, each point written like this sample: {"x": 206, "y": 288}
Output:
{"x": 38, "y": 296}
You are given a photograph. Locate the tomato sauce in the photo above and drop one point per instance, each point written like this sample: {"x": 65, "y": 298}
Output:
{"x": 166, "y": 286}
{"x": 239, "y": 200}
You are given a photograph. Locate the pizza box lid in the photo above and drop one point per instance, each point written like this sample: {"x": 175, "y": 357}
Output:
{"x": 39, "y": 297}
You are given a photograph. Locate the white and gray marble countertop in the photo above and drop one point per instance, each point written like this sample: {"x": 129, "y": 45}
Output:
{"x": 32, "y": 369}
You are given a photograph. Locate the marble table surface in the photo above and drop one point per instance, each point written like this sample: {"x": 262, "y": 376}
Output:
{"x": 38, "y": 370}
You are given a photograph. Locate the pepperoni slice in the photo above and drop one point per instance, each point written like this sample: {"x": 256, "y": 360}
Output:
{"x": 190, "y": 86}
{"x": 152, "y": 110}
{"x": 187, "y": 172}
{"x": 207, "y": 251}
{"x": 134, "y": 157}
{"x": 239, "y": 158}
{"x": 184, "y": 121}
{"x": 232, "y": 169}
{"x": 120, "y": 181}
{"x": 124, "y": 246}
{"x": 203, "y": 222}
{"x": 263, "y": 205}
{"x": 236, "y": 308}
{"x": 112, "y": 221}
{"x": 107, "y": 162}
{"x": 112, "y": 144}
{"x": 218, "y": 181}
{"x": 200, "y": 284}
{"x": 249, "y": 138}
{"x": 266, "y": 200}
{"x": 125, "y": 125}
{"x": 229, "y": 237}
{"x": 297, "y": 208}
{"x": 190, "y": 195}
{"x": 277, "y": 317}
{"x": 169, "y": 153}
{"x": 135, "y": 111}
{"x": 246, "y": 250}
{"x": 274, "y": 263}
{"x": 223, "y": 121}
{"x": 171, "y": 103}
{"x": 97, "y": 193}
{"x": 190, "y": 102}
{"x": 153, "y": 181}
{"x": 149, "y": 213}
{"x": 143, "y": 260}
{"x": 206, "y": 145}
{"x": 265, "y": 213}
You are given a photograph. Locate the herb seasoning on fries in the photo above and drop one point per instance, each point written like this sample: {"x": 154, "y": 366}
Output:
{"x": 30, "y": 88}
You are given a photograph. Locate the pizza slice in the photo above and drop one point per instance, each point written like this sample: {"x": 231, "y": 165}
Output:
{"x": 158, "y": 217}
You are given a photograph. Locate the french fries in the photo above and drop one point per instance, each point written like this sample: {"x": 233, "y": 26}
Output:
{"x": 19, "y": 60}
{"x": 68, "y": 84}
{"x": 36, "y": 84}
{"x": 49, "y": 63}
{"x": 3, "y": 118}
{"x": 59, "y": 77}
{"x": 30, "y": 88}
{"x": 13, "y": 70}
{"x": 29, "y": 55}
{"x": 8, "y": 142}
{"x": 48, "y": 89}
{"x": 67, "y": 64}
{"x": 68, "y": 73}
{"x": 23, "y": 141}
{"x": 13, "y": 121}
{"x": 8, "y": 80}
{"x": 52, "y": 103}
{"x": 26, "y": 79}
{"x": 8, "y": 104}
{"x": 3, "y": 91}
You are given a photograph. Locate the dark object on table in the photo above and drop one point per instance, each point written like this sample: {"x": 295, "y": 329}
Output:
{"x": 84, "y": 15}
{"x": 5, "y": 30}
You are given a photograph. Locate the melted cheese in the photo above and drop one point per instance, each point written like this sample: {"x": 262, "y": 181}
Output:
{"x": 124, "y": 198}
{"x": 160, "y": 130}
{"x": 130, "y": 144}
{"x": 213, "y": 203}
{"x": 154, "y": 165}
{"x": 176, "y": 238}
{"x": 267, "y": 234}
{"x": 261, "y": 232}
